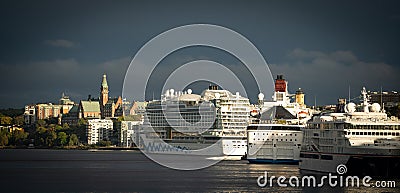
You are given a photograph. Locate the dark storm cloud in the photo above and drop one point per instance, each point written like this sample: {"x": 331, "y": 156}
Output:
{"x": 329, "y": 75}
{"x": 48, "y": 47}
{"x": 61, "y": 43}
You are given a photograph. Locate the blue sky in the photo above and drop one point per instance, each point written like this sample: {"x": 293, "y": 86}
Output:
{"x": 48, "y": 47}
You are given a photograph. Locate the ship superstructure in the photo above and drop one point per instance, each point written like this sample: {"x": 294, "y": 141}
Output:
{"x": 276, "y": 136}
{"x": 188, "y": 121}
{"x": 367, "y": 141}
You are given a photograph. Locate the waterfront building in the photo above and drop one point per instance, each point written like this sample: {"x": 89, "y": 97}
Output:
{"x": 109, "y": 107}
{"x": 66, "y": 104}
{"x": 113, "y": 108}
{"x": 72, "y": 117}
{"x": 89, "y": 109}
{"x": 138, "y": 108}
{"x": 46, "y": 111}
{"x": 128, "y": 133}
{"x": 126, "y": 107}
{"x": 30, "y": 114}
{"x": 99, "y": 130}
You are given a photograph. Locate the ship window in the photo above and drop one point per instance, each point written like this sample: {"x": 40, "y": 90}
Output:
{"x": 397, "y": 134}
{"x": 373, "y": 133}
{"x": 327, "y": 157}
{"x": 290, "y": 139}
{"x": 295, "y": 134}
{"x": 357, "y": 133}
{"x": 385, "y": 133}
{"x": 314, "y": 156}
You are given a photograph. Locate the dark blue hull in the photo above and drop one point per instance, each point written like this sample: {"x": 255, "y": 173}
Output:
{"x": 272, "y": 161}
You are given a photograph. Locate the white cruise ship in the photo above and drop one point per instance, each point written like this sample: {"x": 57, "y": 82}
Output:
{"x": 189, "y": 123}
{"x": 366, "y": 141}
{"x": 274, "y": 143}
{"x": 276, "y": 135}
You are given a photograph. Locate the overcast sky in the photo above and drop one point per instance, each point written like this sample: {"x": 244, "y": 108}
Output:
{"x": 48, "y": 47}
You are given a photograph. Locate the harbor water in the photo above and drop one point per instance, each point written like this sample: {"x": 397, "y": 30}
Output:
{"x": 42, "y": 170}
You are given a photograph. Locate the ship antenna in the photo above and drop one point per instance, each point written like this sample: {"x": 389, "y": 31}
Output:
{"x": 381, "y": 98}
{"x": 315, "y": 102}
{"x": 349, "y": 94}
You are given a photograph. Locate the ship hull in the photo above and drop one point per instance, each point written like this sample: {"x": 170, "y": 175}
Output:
{"x": 361, "y": 165}
{"x": 272, "y": 161}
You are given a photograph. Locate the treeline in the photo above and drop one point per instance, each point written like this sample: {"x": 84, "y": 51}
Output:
{"x": 47, "y": 133}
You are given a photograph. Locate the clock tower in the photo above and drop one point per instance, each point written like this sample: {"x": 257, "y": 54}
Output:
{"x": 103, "y": 91}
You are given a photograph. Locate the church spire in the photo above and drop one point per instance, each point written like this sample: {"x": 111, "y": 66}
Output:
{"x": 104, "y": 91}
{"x": 104, "y": 82}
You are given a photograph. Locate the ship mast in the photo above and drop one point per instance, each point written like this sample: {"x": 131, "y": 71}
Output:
{"x": 365, "y": 100}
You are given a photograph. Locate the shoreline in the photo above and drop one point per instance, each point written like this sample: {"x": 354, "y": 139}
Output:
{"x": 75, "y": 148}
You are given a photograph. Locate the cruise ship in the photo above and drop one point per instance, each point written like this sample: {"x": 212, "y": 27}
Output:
{"x": 213, "y": 123}
{"x": 363, "y": 138}
{"x": 272, "y": 143}
{"x": 275, "y": 136}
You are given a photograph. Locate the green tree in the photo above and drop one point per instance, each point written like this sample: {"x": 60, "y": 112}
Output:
{"x": 4, "y": 137}
{"x": 80, "y": 129}
{"x": 40, "y": 135}
{"x": 18, "y": 120}
{"x": 5, "y": 120}
{"x": 62, "y": 138}
{"x": 51, "y": 137}
{"x": 66, "y": 126}
{"x": 41, "y": 123}
{"x": 82, "y": 121}
{"x": 104, "y": 143}
{"x": 121, "y": 118}
{"x": 19, "y": 137}
{"x": 73, "y": 140}
{"x": 58, "y": 127}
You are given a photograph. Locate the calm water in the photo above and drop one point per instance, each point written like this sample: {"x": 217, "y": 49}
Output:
{"x": 122, "y": 171}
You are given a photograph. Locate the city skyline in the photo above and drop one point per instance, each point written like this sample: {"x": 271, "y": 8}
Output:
{"x": 49, "y": 48}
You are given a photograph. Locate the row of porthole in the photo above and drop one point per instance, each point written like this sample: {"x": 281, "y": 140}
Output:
{"x": 273, "y": 139}
{"x": 278, "y": 134}
{"x": 374, "y": 133}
